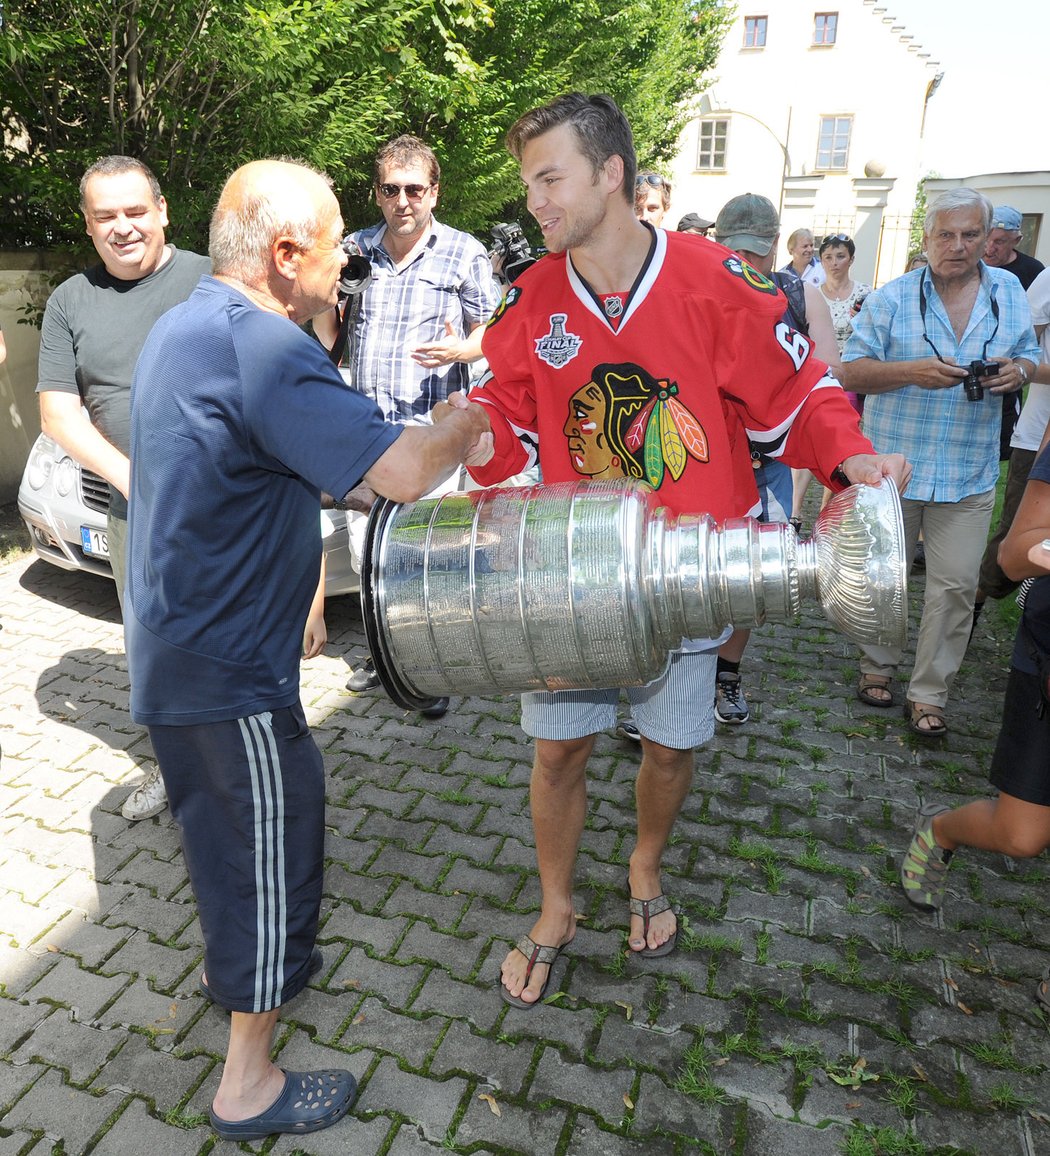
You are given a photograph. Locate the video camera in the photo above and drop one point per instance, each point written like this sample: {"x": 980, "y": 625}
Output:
{"x": 357, "y": 272}
{"x": 513, "y": 249}
{"x": 971, "y": 383}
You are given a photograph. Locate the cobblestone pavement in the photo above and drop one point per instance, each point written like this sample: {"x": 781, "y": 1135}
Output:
{"x": 808, "y": 1009}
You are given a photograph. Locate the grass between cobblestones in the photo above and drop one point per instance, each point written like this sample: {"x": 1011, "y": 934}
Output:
{"x": 807, "y": 1009}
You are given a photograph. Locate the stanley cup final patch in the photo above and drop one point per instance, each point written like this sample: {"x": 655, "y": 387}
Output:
{"x": 557, "y": 348}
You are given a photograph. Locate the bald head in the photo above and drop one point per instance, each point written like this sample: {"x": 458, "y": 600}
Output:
{"x": 262, "y": 202}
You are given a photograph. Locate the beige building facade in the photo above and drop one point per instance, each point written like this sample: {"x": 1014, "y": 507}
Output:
{"x": 25, "y": 283}
{"x": 1028, "y": 193}
{"x": 821, "y": 109}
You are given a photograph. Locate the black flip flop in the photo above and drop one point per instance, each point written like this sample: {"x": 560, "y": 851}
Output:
{"x": 645, "y": 909}
{"x": 535, "y": 953}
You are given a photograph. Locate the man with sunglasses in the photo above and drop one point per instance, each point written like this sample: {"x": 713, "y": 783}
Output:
{"x": 418, "y": 325}
{"x": 910, "y": 351}
{"x": 652, "y": 197}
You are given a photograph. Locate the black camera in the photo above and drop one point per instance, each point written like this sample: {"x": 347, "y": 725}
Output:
{"x": 357, "y": 272}
{"x": 971, "y": 383}
{"x": 512, "y": 247}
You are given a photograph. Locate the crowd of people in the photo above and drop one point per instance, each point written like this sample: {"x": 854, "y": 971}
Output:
{"x": 209, "y": 403}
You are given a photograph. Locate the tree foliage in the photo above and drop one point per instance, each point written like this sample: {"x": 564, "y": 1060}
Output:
{"x": 196, "y": 87}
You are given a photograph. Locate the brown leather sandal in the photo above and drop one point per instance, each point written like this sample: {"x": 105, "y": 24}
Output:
{"x": 917, "y": 713}
{"x": 868, "y": 683}
{"x": 1042, "y": 991}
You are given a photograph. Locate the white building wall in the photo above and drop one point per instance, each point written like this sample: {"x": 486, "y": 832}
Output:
{"x": 1028, "y": 193}
{"x": 774, "y": 98}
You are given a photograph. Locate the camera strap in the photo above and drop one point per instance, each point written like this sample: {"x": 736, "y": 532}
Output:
{"x": 345, "y": 316}
{"x": 922, "y": 315}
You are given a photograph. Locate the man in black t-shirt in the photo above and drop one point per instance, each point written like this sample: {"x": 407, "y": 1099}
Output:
{"x": 94, "y": 327}
{"x": 1001, "y": 252}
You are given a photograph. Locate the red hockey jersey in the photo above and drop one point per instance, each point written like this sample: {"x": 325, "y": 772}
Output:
{"x": 671, "y": 384}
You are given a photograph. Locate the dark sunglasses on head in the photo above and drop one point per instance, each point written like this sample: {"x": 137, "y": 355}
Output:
{"x": 835, "y": 239}
{"x": 654, "y": 179}
{"x": 413, "y": 192}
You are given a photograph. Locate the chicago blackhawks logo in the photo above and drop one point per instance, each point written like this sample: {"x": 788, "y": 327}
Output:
{"x": 750, "y": 276}
{"x": 513, "y": 295}
{"x": 558, "y": 348}
{"x": 624, "y": 423}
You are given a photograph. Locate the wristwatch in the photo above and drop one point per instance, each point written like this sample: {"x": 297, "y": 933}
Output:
{"x": 838, "y": 475}
{"x": 1024, "y": 372}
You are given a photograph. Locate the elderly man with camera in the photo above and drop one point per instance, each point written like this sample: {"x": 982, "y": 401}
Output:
{"x": 933, "y": 350}
{"x": 414, "y": 329}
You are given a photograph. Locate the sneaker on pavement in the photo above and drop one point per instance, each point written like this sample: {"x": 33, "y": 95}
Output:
{"x": 364, "y": 678}
{"x": 627, "y": 730}
{"x": 146, "y": 800}
{"x": 730, "y": 704}
{"x": 924, "y": 868}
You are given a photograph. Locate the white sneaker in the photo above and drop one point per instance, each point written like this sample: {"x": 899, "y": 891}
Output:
{"x": 146, "y": 800}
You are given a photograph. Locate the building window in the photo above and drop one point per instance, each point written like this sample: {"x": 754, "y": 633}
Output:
{"x": 825, "y": 27}
{"x": 833, "y": 144}
{"x": 755, "y": 31}
{"x": 711, "y": 151}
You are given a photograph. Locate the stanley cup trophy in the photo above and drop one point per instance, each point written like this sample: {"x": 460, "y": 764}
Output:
{"x": 593, "y": 584}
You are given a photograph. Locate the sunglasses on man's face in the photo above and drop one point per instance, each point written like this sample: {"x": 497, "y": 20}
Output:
{"x": 413, "y": 192}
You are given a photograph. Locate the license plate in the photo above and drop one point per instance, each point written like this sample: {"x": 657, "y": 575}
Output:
{"x": 94, "y": 542}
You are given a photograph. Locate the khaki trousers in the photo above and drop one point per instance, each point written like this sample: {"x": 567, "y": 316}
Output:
{"x": 954, "y": 534}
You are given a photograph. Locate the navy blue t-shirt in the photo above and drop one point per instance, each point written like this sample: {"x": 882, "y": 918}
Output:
{"x": 1036, "y": 614}
{"x": 238, "y": 421}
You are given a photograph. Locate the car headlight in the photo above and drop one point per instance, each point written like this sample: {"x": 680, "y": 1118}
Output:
{"x": 65, "y": 476}
{"x": 41, "y": 463}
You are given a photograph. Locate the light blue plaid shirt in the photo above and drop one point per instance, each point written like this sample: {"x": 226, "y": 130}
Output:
{"x": 951, "y": 443}
{"x": 450, "y": 279}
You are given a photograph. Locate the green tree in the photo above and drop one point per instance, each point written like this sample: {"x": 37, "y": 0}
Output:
{"x": 195, "y": 87}
{"x": 650, "y": 55}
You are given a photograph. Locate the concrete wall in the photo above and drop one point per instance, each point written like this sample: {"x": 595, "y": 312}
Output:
{"x": 24, "y": 280}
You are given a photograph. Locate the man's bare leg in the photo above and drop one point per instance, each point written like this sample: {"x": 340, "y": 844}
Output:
{"x": 558, "y": 794}
{"x": 250, "y": 1080}
{"x": 663, "y": 783}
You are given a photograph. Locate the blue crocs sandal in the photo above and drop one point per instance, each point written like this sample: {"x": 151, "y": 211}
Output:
{"x": 316, "y": 963}
{"x": 309, "y": 1102}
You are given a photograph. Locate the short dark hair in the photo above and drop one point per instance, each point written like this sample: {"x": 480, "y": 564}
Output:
{"x": 836, "y": 240}
{"x": 406, "y": 150}
{"x": 598, "y": 123}
{"x": 113, "y": 165}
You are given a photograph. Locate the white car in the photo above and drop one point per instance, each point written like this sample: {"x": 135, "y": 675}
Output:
{"x": 64, "y": 508}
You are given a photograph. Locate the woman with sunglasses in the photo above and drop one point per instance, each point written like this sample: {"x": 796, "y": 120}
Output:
{"x": 843, "y": 295}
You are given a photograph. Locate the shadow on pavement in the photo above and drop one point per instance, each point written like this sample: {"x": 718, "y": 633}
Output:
{"x": 89, "y": 594}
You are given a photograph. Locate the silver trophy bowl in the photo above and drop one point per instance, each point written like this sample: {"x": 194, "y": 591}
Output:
{"x": 594, "y": 584}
